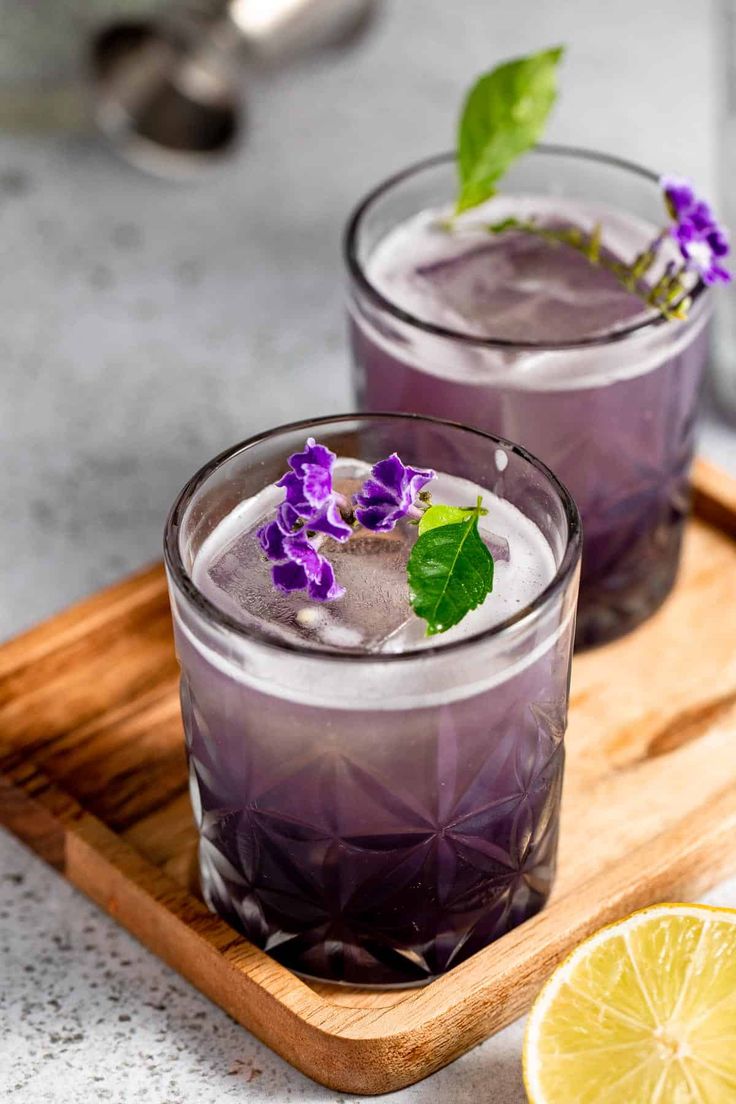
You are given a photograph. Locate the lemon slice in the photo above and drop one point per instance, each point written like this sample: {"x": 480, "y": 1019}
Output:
{"x": 643, "y": 1012}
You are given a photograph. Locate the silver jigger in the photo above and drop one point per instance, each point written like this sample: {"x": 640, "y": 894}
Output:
{"x": 167, "y": 91}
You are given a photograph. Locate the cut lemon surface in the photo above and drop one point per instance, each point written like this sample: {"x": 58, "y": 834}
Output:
{"x": 643, "y": 1012}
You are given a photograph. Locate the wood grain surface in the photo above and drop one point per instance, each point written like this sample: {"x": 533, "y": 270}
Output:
{"x": 92, "y": 776}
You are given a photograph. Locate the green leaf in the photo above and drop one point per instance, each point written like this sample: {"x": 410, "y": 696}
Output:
{"x": 503, "y": 116}
{"x": 445, "y": 515}
{"x": 450, "y": 571}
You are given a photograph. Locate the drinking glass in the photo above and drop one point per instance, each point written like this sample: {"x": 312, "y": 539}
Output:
{"x": 613, "y": 415}
{"x": 375, "y": 819}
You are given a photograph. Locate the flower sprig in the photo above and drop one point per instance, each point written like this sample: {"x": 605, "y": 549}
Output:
{"x": 702, "y": 241}
{"x": 504, "y": 115}
{"x": 392, "y": 492}
{"x": 450, "y": 567}
{"x": 310, "y": 509}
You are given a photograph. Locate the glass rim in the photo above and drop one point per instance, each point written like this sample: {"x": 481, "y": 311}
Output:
{"x": 357, "y": 272}
{"x": 186, "y": 586}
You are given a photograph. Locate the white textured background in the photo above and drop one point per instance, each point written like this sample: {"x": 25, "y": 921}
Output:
{"x": 144, "y": 327}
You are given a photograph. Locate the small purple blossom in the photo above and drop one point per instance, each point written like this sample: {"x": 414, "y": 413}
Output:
{"x": 679, "y": 195}
{"x": 330, "y": 522}
{"x": 389, "y": 494}
{"x": 308, "y": 485}
{"x": 305, "y": 569}
{"x": 702, "y": 241}
{"x": 320, "y": 585}
{"x": 309, "y": 493}
{"x": 310, "y": 507}
{"x": 297, "y": 563}
{"x": 271, "y": 540}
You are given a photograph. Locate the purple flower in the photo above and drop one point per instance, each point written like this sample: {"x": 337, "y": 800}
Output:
{"x": 289, "y": 576}
{"x": 305, "y": 569}
{"x": 309, "y": 494}
{"x": 702, "y": 241}
{"x": 308, "y": 485}
{"x": 330, "y": 521}
{"x": 300, "y": 550}
{"x": 389, "y": 494}
{"x": 297, "y": 563}
{"x": 310, "y": 507}
{"x": 324, "y": 587}
{"x": 271, "y": 540}
{"x": 320, "y": 585}
{"x": 679, "y": 195}
{"x": 272, "y": 535}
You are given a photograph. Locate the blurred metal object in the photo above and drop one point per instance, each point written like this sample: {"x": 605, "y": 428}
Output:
{"x": 277, "y": 29}
{"x": 166, "y": 93}
{"x": 42, "y": 55}
{"x": 167, "y": 90}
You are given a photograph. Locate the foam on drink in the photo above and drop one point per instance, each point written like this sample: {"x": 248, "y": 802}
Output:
{"x": 516, "y": 287}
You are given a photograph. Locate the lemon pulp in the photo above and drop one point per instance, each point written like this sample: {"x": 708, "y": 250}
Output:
{"x": 643, "y": 1012}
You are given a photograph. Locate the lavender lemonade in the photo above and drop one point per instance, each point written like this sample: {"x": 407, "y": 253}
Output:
{"x": 375, "y": 776}
{"x": 557, "y": 313}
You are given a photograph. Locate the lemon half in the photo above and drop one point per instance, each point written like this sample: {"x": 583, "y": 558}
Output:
{"x": 643, "y": 1012}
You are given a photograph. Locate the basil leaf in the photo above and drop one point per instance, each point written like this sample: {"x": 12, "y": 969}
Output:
{"x": 503, "y": 116}
{"x": 450, "y": 572}
{"x": 445, "y": 515}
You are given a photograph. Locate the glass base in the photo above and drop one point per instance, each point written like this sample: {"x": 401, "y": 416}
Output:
{"x": 386, "y": 912}
{"x": 374, "y": 964}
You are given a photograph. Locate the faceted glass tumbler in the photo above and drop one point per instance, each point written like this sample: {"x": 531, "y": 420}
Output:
{"x": 613, "y": 416}
{"x": 374, "y": 819}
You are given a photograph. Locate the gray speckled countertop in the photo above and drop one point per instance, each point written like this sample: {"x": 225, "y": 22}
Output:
{"x": 143, "y": 328}
{"x": 87, "y": 1015}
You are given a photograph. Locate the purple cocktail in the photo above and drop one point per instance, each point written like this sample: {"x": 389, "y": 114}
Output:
{"x": 527, "y": 339}
{"x": 374, "y": 805}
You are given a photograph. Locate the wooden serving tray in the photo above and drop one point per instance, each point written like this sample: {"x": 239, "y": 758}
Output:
{"x": 92, "y": 776}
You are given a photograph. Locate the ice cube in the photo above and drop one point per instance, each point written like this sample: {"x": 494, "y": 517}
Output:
{"x": 371, "y": 567}
{"x": 238, "y": 581}
{"x": 522, "y": 288}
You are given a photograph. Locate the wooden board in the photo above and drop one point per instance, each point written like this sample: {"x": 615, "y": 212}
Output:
{"x": 92, "y": 776}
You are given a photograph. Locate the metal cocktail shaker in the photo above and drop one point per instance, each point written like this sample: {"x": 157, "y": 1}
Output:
{"x": 167, "y": 91}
